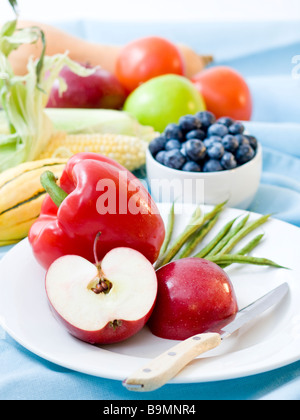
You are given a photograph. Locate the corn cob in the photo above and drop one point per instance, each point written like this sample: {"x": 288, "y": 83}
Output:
{"x": 21, "y": 197}
{"x": 129, "y": 151}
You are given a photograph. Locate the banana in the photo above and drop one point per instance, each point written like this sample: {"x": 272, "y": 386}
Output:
{"x": 21, "y": 197}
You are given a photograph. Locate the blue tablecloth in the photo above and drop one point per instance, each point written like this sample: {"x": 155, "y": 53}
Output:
{"x": 263, "y": 53}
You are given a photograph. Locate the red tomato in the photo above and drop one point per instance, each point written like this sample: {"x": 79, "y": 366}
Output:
{"x": 225, "y": 92}
{"x": 145, "y": 58}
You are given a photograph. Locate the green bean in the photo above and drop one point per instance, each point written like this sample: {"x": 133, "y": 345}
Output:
{"x": 251, "y": 245}
{"x": 198, "y": 237}
{"x": 197, "y": 213}
{"x": 215, "y": 240}
{"x": 242, "y": 233}
{"x": 248, "y": 247}
{"x": 231, "y": 234}
{"x": 242, "y": 259}
{"x": 185, "y": 235}
{"x": 169, "y": 230}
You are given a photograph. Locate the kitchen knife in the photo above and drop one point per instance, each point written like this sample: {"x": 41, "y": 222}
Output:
{"x": 164, "y": 367}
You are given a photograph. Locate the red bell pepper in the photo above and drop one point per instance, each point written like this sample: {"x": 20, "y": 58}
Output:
{"x": 95, "y": 194}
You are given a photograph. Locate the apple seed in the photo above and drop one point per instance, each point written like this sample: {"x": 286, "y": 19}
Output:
{"x": 102, "y": 286}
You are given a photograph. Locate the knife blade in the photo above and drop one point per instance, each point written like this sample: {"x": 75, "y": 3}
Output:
{"x": 164, "y": 367}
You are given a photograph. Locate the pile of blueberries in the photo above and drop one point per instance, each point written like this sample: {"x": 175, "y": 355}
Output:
{"x": 201, "y": 143}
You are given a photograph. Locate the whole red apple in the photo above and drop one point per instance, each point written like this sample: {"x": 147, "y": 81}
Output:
{"x": 193, "y": 294}
{"x": 100, "y": 90}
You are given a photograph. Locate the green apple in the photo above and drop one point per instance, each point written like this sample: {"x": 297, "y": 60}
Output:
{"x": 163, "y": 100}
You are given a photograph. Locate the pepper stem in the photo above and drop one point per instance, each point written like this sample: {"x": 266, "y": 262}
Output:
{"x": 57, "y": 194}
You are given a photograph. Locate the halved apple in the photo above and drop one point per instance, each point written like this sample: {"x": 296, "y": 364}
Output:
{"x": 102, "y": 303}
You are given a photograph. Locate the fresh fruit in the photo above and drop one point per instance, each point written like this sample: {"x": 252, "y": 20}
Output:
{"x": 206, "y": 118}
{"x": 211, "y": 145}
{"x": 195, "y": 134}
{"x": 146, "y": 58}
{"x": 157, "y": 144}
{"x": 210, "y": 141}
{"x": 193, "y": 294}
{"x": 252, "y": 141}
{"x": 217, "y": 129}
{"x": 225, "y": 92}
{"x": 160, "y": 157}
{"x": 173, "y": 131}
{"x": 216, "y": 151}
{"x": 95, "y": 194}
{"x": 230, "y": 143}
{"x": 100, "y": 90}
{"x": 228, "y": 161}
{"x": 174, "y": 159}
{"x": 163, "y": 100}
{"x": 103, "y": 303}
{"x": 244, "y": 153}
{"x": 21, "y": 197}
{"x": 172, "y": 144}
{"x": 225, "y": 121}
{"x": 236, "y": 128}
{"x": 189, "y": 123}
{"x": 212, "y": 165}
{"x": 191, "y": 166}
{"x": 194, "y": 149}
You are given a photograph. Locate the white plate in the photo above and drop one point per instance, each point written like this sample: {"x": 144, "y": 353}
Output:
{"x": 270, "y": 342}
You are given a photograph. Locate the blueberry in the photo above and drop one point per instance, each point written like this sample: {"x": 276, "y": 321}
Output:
{"x": 183, "y": 151}
{"x": 191, "y": 167}
{"x": 206, "y": 118}
{"x": 160, "y": 157}
{"x": 195, "y": 134}
{"x": 236, "y": 128}
{"x": 212, "y": 140}
{"x": 216, "y": 151}
{"x": 195, "y": 149}
{"x": 189, "y": 123}
{"x": 174, "y": 159}
{"x": 242, "y": 139}
{"x": 217, "y": 130}
{"x": 228, "y": 161}
{"x": 230, "y": 143}
{"x": 244, "y": 153}
{"x": 225, "y": 121}
{"x": 172, "y": 144}
{"x": 212, "y": 165}
{"x": 157, "y": 145}
{"x": 252, "y": 141}
{"x": 172, "y": 131}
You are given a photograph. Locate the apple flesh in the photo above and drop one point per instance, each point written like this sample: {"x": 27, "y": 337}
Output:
{"x": 100, "y": 315}
{"x": 193, "y": 295}
{"x": 100, "y": 90}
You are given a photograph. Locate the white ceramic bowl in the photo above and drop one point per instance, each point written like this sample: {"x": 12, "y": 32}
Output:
{"x": 238, "y": 185}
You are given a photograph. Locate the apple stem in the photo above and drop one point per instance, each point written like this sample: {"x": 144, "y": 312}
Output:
{"x": 57, "y": 194}
{"x": 103, "y": 285}
{"x": 95, "y": 249}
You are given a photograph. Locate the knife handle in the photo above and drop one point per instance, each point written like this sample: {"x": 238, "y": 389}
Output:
{"x": 164, "y": 367}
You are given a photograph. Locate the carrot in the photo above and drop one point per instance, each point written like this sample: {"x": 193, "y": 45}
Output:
{"x": 84, "y": 51}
